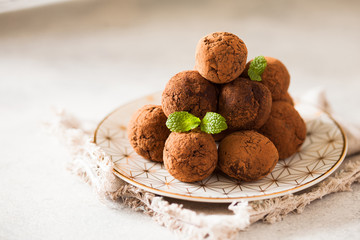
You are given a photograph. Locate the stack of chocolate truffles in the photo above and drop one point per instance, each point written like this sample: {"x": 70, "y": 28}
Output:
{"x": 263, "y": 125}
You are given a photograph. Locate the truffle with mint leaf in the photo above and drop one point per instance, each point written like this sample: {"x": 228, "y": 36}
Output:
{"x": 247, "y": 155}
{"x": 245, "y": 104}
{"x": 147, "y": 132}
{"x": 190, "y": 156}
{"x": 189, "y": 91}
{"x": 213, "y": 123}
{"x": 285, "y": 128}
{"x": 220, "y": 57}
{"x": 273, "y": 75}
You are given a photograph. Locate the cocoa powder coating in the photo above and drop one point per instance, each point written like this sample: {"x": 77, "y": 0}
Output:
{"x": 285, "y": 128}
{"x": 275, "y": 76}
{"x": 147, "y": 132}
{"x": 189, "y": 91}
{"x": 244, "y": 104}
{"x": 287, "y": 98}
{"x": 220, "y": 57}
{"x": 247, "y": 155}
{"x": 190, "y": 156}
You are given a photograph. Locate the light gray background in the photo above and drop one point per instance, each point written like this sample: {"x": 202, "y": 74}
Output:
{"x": 92, "y": 56}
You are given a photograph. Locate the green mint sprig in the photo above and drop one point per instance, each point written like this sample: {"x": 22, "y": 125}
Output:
{"x": 212, "y": 122}
{"x": 257, "y": 67}
{"x": 182, "y": 122}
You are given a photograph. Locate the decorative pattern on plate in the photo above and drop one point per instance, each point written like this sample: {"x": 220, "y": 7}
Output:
{"x": 321, "y": 153}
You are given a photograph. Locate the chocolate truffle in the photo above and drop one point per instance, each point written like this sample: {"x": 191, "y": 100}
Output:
{"x": 275, "y": 76}
{"x": 189, "y": 91}
{"x": 247, "y": 155}
{"x": 147, "y": 132}
{"x": 287, "y": 98}
{"x": 285, "y": 128}
{"x": 190, "y": 156}
{"x": 245, "y": 104}
{"x": 220, "y": 57}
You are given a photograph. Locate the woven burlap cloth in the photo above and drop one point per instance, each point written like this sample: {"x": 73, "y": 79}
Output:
{"x": 196, "y": 220}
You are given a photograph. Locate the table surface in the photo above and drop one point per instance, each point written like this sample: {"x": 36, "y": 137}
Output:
{"x": 92, "y": 56}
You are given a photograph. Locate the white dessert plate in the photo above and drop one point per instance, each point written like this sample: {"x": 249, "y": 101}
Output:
{"x": 322, "y": 152}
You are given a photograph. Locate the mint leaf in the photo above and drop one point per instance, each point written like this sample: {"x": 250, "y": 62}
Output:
{"x": 213, "y": 123}
{"x": 257, "y": 67}
{"x": 182, "y": 122}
